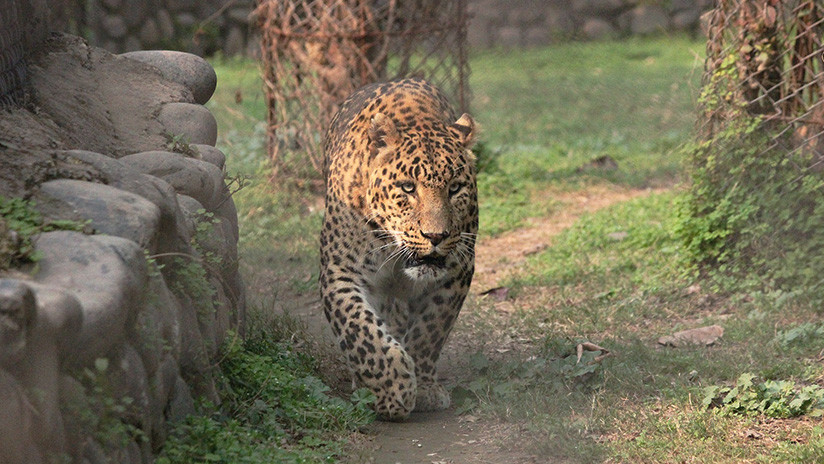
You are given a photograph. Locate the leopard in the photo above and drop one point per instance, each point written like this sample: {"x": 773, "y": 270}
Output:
{"x": 397, "y": 244}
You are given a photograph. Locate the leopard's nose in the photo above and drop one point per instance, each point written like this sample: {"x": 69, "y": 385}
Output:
{"x": 436, "y": 237}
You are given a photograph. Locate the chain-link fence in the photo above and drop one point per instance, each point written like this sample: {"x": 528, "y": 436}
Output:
{"x": 774, "y": 50}
{"x": 757, "y": 203}
{"x": 12, "y": 66}
{"x": 315, "y": 53}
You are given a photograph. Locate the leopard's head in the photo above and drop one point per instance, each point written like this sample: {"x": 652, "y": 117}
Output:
{"x": 421, "y": 192}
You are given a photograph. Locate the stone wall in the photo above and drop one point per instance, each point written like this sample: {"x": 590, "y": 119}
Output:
{"x": 225, "y": 25}
{"x": 526, "y": 23}
{"x": 110, "y": 332}
{"x": 200, "y": 27}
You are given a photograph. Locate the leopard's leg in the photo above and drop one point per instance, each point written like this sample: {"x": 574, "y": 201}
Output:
{"x": 375, "y": 357}
{"x": 428, "y": 330}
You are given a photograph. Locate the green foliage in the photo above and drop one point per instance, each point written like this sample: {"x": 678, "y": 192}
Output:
{"x": 190, "y": 274}
{"x": 97, "y": 413}
{"x": 753, "y": 216}
{"x": 771, "y": 398}
{"x": 17, "y": 215}
{"x": 273, "y": 409}
{"x": 179, "y": 143}
{"x": 807, "y": 333}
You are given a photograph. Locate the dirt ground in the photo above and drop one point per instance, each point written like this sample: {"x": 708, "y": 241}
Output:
{"x": 447, "y": 437}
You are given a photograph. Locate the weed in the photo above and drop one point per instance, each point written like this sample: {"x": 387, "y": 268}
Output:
{"x": 189, "y": 278}
{"x": 97, "y": 413}
{"x": 771, "y": 398}
{"x": 19, "y": 223}
{"x": 179, "y": 143}
{"x": 190, "y": 275}
{"x": 273, "y": 409}
{"x": 807, "y": 333}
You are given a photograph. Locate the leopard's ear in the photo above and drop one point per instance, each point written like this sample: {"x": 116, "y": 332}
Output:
{"x": 464, "y": 130}
{"x": 382, "y": 133}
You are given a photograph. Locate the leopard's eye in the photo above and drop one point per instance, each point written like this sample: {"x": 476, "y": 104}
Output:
{"x": 455, "y": 188}
{"x": 408, "y": 187}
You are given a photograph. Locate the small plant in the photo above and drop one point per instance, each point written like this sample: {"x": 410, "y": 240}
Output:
{"x": 771, "y": 398}
{"x": 190, "y": 278}
{"x": 190, "y": 274}
{"x": 99, "y": 414}
{"x": 19, "y": 222}
{"x": 802, "y": 334}
{"x": 179, "y": 143}
{"x": 273, "y": 409}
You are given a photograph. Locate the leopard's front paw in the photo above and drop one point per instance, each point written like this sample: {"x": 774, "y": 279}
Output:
{"x": 432, "y": 397}
{"x": 395, "y": 388}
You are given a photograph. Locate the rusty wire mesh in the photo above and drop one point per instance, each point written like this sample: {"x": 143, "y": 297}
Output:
{"x": 773, "y": 51}
{"x": 315, "y": 53}
{"x": 758, "y": 196}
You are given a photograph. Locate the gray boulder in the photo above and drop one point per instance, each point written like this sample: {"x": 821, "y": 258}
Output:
{"x": 194, "y": 123}
{"x": 193, "y": 177}
{"x": 186, "y": 69}
{"x": 111, "y": 211}
{"x": 106, "y": 274}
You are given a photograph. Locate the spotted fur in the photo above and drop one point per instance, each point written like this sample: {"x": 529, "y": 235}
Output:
{"x": 398, "y": 239}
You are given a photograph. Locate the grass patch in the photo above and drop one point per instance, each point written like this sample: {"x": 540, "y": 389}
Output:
{"x": 273, "y": 409}
{"x": 550, "y": 111}
{"x": 615, "y": 278}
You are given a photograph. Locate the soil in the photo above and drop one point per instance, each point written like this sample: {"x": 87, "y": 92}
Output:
{"x": 447, "y": 437}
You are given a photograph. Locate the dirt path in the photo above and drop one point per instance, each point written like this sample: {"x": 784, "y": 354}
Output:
{"x": 498, "y": 257}
{"x": 445, "y": 437}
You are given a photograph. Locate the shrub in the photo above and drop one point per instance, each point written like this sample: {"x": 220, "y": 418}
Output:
{"x": 273, "y": 409}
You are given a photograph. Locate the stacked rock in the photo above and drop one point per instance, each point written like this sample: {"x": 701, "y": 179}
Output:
{"x": 142, "y": 303}
{"x": 523, "y": 23}
{"x": 199, "y": 27}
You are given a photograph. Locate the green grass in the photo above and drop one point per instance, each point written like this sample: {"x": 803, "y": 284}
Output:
{"x": 616, "y": 278}
{"x": 549, "y": 111}
{"x": 273, "y": 409}
{"x": 644, "y": 404}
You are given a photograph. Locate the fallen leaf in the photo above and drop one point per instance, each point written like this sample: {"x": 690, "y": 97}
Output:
{"x": 769, "y": 16}
{"x": 498, "y": 293}
{"x": 588, "y": 346}
{"x": 700, "y": 336}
